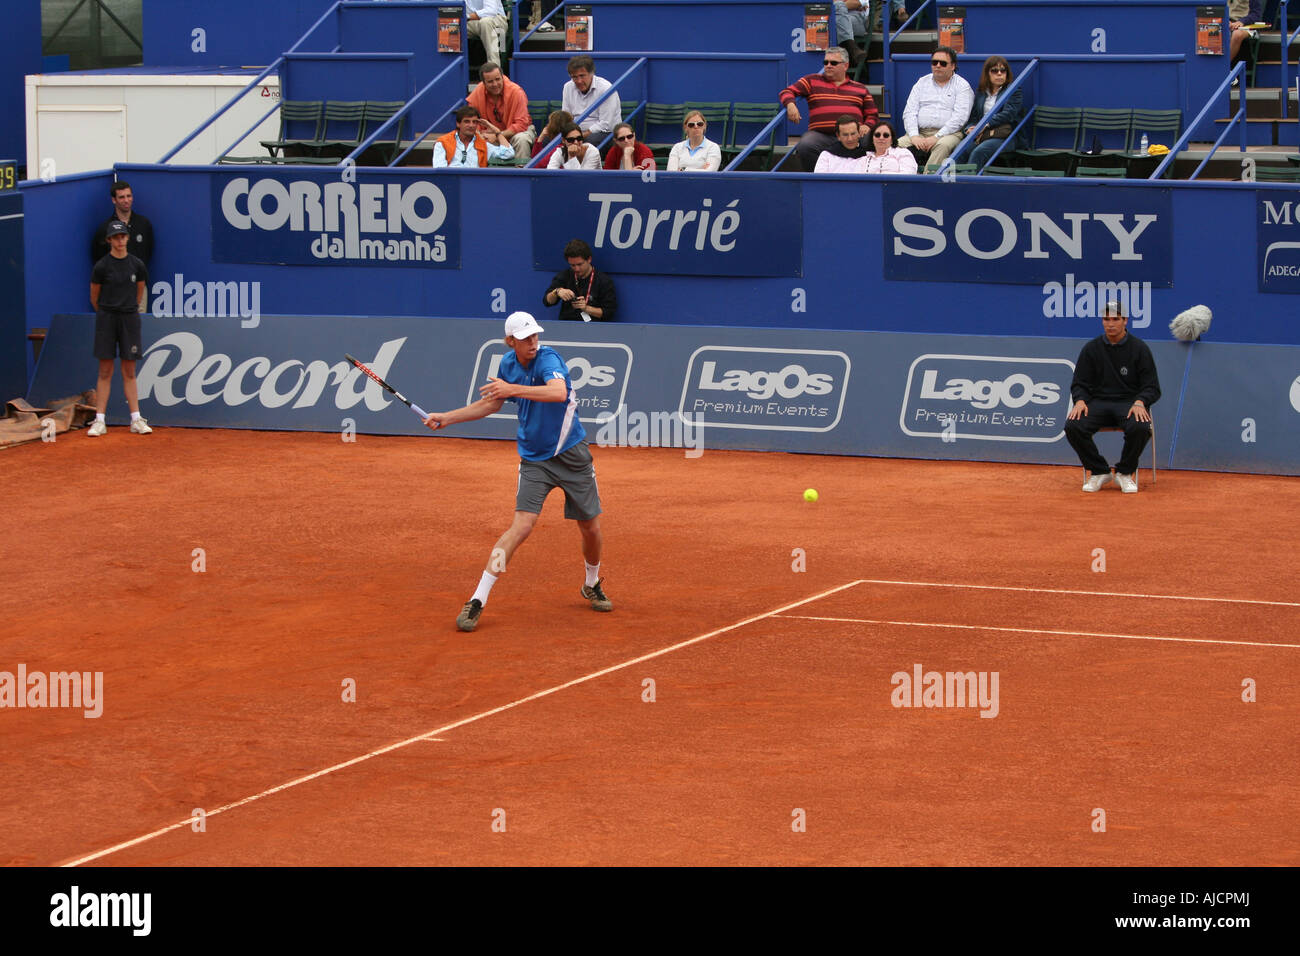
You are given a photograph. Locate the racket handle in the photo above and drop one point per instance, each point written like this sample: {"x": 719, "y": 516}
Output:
{"x": 419, "y": 411}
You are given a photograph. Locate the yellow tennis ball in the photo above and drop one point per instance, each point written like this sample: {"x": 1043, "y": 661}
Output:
{"x": 810, "y": 494}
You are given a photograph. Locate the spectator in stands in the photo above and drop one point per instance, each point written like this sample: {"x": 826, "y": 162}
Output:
{"x": 139, "y": 229}
{"x": 830, "y": 94}
{"x": 696, "y": 152}
{"x": 851, "y": 22}
{"x": 581, "y": 291}
{"x": 1006, "y": 111}
{"x": 575, "y": 153}
{"x": 542, "y": 10}
{"x": 885, "y": 155}
{"x": 849, "y": 155}
{"x": 937, "y": 108}
{"x": 627, "y": 153}
{"x": 466, "y": 146}
{"x": 503, "y": 105}
{"x": 1115, "y": 383}
{"x": 1241, "y": 13}
{"x": 584, "y": 89}
{"x": 487, "y": 20}
{"x": 555, "y": 123}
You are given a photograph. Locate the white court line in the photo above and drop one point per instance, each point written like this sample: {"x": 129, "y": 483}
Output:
{"x": 1029, "y": 630}
{"x": 429, "y": 735}
{"x": 1160, "y": 597}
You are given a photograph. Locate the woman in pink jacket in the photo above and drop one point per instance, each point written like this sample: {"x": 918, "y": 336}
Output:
{"x": 885, "y": 155}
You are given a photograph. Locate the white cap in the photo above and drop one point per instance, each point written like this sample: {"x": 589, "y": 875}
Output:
{"x": 520, "y": 325}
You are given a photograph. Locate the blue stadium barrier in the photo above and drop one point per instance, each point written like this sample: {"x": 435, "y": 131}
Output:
{"x": 13, "y": 324}
{"x": 878, "y": 253}
{"x": 951, "y": 397}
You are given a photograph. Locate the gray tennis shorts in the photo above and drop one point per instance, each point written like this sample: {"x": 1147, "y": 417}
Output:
{"x": 571, "y": 470}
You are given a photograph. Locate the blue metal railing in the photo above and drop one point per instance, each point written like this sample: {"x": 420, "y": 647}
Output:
{"x": 753, "y": 143}
{"x": 1189, "y": 128}
{"x": 258, "y": 122}
{"x": 258, "y": 79}
{"x": 514, "y": 14}
{"x": 1287, "y": 40}
{"x": 984, "y": 121}
{"x": 397, "y": 117}
{"x": 1238, "y": 118}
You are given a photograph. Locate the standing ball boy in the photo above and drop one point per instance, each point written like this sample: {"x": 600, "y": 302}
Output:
{"x": 117, "y": 288}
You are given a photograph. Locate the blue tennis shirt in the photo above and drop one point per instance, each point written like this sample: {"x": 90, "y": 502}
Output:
{"x": 546, "y": 429}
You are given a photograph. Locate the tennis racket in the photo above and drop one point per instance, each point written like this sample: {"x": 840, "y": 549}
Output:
{"x": 396, "y": 394}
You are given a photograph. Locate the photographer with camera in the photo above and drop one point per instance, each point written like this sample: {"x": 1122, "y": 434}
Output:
{"x": 581, "y": 291}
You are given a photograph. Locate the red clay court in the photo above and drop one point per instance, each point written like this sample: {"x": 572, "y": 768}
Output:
{"x": 329, "y": 561}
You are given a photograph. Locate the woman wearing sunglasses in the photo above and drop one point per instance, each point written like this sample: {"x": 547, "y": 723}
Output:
{"x": 627, "y": 153}
{"x": 1006, "y": 111}
{"x": 695, "y": 152}
{"x": 884, "y": 155}
{"x": 554, "y": 123}
{"x": 575, "y": 153}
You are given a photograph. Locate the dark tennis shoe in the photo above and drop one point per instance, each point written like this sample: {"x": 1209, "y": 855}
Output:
{"x": 469, "y": 615}
{"x": 597, "y": 597}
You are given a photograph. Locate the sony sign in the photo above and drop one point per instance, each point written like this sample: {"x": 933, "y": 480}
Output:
{"x": 1027, "y": 236}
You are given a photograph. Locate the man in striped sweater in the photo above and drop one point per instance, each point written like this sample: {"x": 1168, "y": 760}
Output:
{"x": 830, "y": 95}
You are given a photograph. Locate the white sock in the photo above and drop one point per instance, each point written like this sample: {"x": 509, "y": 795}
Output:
{"x": 593, "y": 573}
{"x": 99, "y": 417}
{"x": 135, "y": 416}
{"x": 484, "y": 587}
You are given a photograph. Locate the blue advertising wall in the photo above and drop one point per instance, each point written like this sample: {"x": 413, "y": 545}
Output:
{"x": 850, "y": 393}
{"x": 13, "y": 324}
{"x": 58, "y": 221}
{"x": 854, "y": 258}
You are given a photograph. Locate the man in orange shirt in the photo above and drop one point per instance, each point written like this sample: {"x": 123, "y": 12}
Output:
{"x": 503, "y": 105}
{"x": 467, "y": 146}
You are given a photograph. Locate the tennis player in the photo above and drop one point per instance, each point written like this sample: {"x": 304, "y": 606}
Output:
{"x": 553, "y": 453}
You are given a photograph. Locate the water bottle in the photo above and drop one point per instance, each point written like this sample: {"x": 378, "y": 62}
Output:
{"x": 1144, "y": 144}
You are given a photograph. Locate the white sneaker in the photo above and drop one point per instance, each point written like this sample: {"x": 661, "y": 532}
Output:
{"x": 97, "y": 428}
{"x": 1127, "y": 483}
{"x": 1097, "y": 482}
{"x": 141, "y": 427}
{"x": 546, "y": 28}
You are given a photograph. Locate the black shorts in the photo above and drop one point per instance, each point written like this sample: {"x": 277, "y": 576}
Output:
{"x": 572, "y": 470}
{"x": 117, "y": 333}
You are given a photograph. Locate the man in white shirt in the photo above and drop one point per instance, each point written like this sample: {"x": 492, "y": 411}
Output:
{"x": 488, "y": 21}
{"x": 585, "y": 88}
{"x": 936, "y": 110}
{"x": 464, "y": 146}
